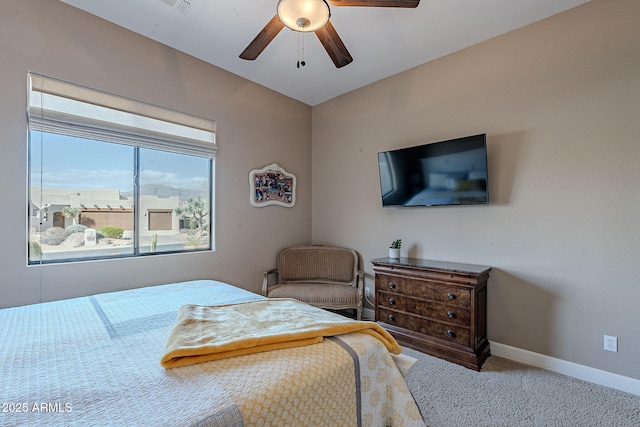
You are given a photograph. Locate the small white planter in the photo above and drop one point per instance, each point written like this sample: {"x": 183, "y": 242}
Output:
{"x": 394, "y": 252}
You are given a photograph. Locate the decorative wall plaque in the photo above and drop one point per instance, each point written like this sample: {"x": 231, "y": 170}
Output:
{"x": 272, "y": 185}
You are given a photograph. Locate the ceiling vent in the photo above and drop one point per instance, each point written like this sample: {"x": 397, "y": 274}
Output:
{"x": 182, "y": 6}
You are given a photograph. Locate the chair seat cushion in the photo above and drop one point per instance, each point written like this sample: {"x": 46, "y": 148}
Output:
{"x": 316, "y": 294}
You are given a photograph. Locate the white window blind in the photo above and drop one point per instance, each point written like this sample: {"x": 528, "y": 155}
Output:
{"x": 60, "y": 107}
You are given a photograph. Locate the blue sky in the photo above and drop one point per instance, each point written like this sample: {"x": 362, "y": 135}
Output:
{"x": 68, "y": 162}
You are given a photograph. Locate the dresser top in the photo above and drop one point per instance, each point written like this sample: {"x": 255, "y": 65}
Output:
{"x": 432, "y": 264}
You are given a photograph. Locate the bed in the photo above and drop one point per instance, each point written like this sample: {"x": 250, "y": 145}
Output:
{"x": 446, "y": 188}
{"x": 95, "y": 361}
{"x": 431, "y": 197}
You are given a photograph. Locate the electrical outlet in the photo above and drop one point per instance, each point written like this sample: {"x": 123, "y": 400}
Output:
{"x": 367, "y": 292}
{"x": 611, "y": 343}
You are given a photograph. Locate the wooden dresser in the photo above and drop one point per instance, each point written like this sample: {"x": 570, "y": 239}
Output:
{"x": 436, "y": 307}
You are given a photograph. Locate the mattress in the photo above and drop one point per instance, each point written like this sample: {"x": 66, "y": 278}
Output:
{"x": 95, "y": 361}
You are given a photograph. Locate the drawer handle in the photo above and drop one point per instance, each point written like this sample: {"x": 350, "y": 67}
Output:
{"x": 451, "y": 295}
{"x": 392, "y": 318}
{"x": 392, "y": 301}
{"x": 392, "y": 285}
{"x": 451, "y": 314}
{"x": 451, "y": 333}
{"x": 451, "y": 276}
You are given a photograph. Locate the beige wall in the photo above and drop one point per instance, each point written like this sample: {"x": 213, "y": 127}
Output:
{"x": 560, "y": 103}
{"x": 255, "y": 127}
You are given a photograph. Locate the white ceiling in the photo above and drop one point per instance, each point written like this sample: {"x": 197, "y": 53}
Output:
{"x": 382, "y": 41}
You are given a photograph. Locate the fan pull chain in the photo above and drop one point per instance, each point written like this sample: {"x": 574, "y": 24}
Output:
{"x": 301, "y": 50}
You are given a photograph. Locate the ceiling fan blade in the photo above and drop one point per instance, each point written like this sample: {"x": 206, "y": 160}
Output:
{"x": 333, "y": 45}
{"x": 375, "y": 3}
{"x": 264, "y": 37}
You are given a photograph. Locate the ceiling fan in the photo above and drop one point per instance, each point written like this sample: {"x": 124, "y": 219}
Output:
{"x": 313, "y": 16}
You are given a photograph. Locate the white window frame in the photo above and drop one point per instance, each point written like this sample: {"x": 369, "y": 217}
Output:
{"x": 56, "y": 106}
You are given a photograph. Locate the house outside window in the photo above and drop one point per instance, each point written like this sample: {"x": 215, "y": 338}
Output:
{"x": 111, "y": 177}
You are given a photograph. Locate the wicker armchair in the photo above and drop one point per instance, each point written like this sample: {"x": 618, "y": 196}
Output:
{"x": 323, "y": 276}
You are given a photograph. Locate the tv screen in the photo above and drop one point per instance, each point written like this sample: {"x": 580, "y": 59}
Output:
{"x": 452, "y": 172}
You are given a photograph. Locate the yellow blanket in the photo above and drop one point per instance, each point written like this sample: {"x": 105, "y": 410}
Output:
{"x": 202, "y": 333}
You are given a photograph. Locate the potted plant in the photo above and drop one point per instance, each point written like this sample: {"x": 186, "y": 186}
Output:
{"x": 394, "y": 249}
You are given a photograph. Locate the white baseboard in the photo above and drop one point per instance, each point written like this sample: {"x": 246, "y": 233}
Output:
{"x": 571, "y": 369}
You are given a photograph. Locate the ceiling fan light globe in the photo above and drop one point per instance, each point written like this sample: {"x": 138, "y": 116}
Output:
{"x": 313, "y": 14}
{"x": 303, "y": 22}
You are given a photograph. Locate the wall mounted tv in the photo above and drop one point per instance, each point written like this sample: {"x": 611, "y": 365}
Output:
{"x": 452, "y": 172}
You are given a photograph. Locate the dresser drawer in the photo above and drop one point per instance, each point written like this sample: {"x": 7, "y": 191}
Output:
{"x": 453, "y": 277}
{"x": 424, "y": 290}
{"x": 441, "y": 331}
{"x": 452, "y": 314}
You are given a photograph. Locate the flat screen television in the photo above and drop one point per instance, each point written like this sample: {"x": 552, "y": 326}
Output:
{"x": 452, "y": 172}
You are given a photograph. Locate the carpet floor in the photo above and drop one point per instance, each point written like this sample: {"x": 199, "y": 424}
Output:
{"x": 511, "y": 394}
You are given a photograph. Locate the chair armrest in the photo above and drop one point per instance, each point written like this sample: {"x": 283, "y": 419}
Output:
{"x": 360, "y": 283}
{"x": 265, "y": 280}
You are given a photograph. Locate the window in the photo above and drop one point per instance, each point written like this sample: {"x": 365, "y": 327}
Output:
{"x": 387, "y": 183}
{"x": 112, "y": 177}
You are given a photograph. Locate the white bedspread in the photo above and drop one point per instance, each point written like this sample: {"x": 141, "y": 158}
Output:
{"x": 95, "y": 361}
